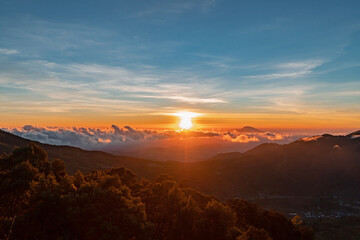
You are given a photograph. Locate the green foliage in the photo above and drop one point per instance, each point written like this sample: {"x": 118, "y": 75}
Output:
{"x": 39, "y": 200}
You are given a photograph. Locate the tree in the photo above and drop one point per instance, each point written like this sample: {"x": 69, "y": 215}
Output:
{"x": 58, "y": 169}
{"x": 254, "y": 234}
{"x": 113, "y": 204}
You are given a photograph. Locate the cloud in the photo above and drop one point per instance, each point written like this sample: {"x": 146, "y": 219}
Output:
{"x": 127, "y": 84}
{"x": 90, "y": 138}
{"x": 177, "y": 7}
{"x": 56, "y": 87}
{"x": 241, "y": 137}
{"x": 97, "y": 138}
{"x": 41, "y": 35}
{"x": 191, "y": 100}
{"x": 291, "y": 69}
{"x": 345, "y": 93}
{"x": 6, "y": 51}
{"x": 155, "y": 144}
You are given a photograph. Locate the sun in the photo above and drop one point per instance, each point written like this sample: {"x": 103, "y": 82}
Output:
{"x": 186, "y": 119}
{"x": 185, "y": 123}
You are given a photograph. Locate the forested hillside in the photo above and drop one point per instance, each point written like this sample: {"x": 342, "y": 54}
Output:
{"x": 323, "y": 165}
{"x": 74, "y": 158}
{"x": 39, "y": 200}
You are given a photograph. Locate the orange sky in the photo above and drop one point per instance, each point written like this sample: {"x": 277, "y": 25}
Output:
{"x": 207, "y": 120}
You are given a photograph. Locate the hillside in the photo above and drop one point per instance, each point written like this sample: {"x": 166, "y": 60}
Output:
{"x": 39, "y": 200}
{"x": 75, "y": 158}
{"x": 307, "y": 174}
{"x": 320, "y": 165}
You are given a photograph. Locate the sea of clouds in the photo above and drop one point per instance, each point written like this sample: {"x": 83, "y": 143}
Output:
{"x": 135, "y": 142}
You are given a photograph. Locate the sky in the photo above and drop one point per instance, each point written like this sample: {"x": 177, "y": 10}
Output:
{"x": 268, "y": 64}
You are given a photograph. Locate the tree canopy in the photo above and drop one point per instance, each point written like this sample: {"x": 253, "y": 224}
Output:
{"x": 39, "y": 200}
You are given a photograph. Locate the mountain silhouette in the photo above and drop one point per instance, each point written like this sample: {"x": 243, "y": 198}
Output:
{"x": 354, "y": 134}
{"x": 248, "y": 129}
{"x": 323, "y": 165}
{"x": 73, "y": 157}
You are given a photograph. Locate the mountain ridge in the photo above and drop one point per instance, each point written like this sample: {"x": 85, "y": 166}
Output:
{"x": 325, "y": 165}
{"x": 9, "y": 141}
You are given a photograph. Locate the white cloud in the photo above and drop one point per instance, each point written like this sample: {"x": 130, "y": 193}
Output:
{"x": 6, "y": 51}
{"x": 290, "y": 70}
{"x": 69, "y": 87}
{"x": 243, "y": 137}
{"x": 177, "y": 7}
{"x": 192, "y": 100}
{"x": 118, "y": 138}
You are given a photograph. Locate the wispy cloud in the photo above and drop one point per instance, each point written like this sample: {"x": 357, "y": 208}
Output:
{"x": 67, "y": 87}
{"x": 39, "y": 39}
{"x": 6, "y": 51}
{"x": 346, "y": 93}
{"x": 192, "y": 100}
{"x": 69, "y": 68}
{"x": 177, "y": 7}
{"x": 290, "y": 70}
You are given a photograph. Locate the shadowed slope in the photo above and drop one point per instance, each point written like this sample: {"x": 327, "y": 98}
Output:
{"x": 75, "y": 158}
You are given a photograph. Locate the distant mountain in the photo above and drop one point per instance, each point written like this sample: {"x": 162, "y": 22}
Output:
{"x": 187, "y": 149}
{"x": 320, "y": 165}
{"x": 248, "y": 129}
{"x": 225, "y": 156}
{"x": 354, "y": 134}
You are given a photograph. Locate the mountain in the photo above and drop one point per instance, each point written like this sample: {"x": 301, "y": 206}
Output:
{"x": 248, "y": 129}
{"x": 354, "y": 134}
{"x": 225, "y": 156}
{"x": 182, "y": 149}
{"x": 39, "y": 200}
{"x": 310, "y": 173}
{"x": 76, "y": 158}
{"x": 313, "y": 166}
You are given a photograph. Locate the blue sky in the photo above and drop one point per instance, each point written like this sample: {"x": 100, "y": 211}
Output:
{"x": 268, "y": 63}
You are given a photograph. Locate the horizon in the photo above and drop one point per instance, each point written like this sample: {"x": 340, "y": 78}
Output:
{"x": 176, "y": 128}
{"x": 174, "y": 144}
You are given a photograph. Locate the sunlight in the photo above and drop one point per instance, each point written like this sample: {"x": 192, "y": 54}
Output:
{"x": 185, "y": 123}
{"x": 186, "y": 119}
